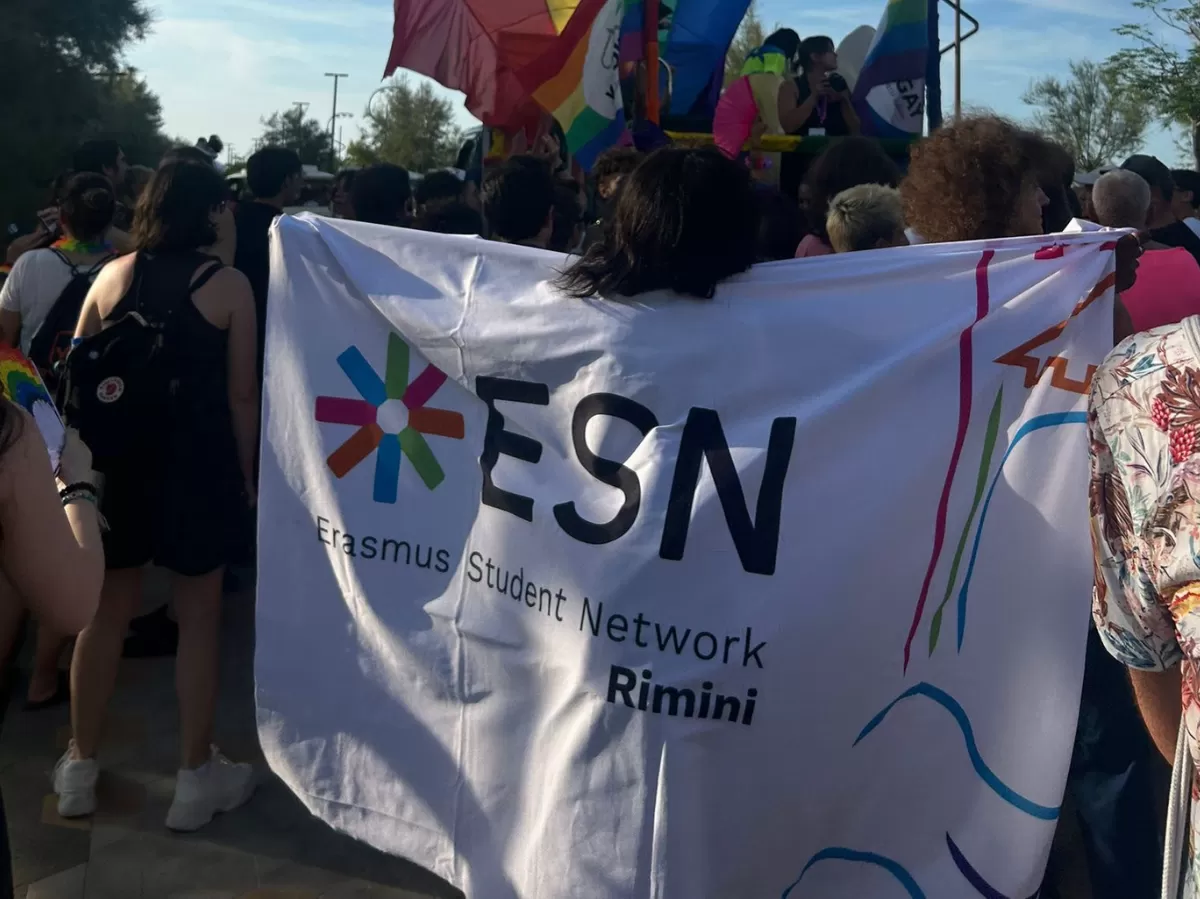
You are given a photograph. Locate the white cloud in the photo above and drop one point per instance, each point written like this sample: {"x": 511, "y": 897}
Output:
{"x": 343, "y": 14}
{"x": 223, "y": 71}
{"x": 1109, "y": 10}
{"x": 1024, "y": 53}
{"x": 837, "y": 20}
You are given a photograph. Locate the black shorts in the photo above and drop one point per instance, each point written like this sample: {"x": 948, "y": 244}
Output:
{"x": 190, "y": 526}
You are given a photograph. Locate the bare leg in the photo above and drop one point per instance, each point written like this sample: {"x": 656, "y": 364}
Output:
{"x": 97, "y": 656}
{"x": 43, "y": 682}
{"x": 198, "y": 608}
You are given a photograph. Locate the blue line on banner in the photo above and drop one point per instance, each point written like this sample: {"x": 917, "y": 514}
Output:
{"x": 1052, "y": 420}
{"x": 950, "y": 704}
{"x": 840, "y": 853}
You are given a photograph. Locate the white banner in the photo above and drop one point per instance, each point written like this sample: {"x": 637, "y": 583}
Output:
{"x": 782, "y": 594}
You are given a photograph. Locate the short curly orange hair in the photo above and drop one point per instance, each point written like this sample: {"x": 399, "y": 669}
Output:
{"x": 965, "y": 180}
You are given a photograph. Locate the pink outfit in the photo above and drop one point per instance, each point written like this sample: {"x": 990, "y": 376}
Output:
{"x": 734, "y": 117}
{"x": 1166, "y": 291}
{"x": 813, "y": 246}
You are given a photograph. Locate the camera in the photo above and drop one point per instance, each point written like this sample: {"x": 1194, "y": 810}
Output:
{"x": 837, "y": 83}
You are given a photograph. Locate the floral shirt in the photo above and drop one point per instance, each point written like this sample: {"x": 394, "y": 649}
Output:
{"x": 1144, "y": 430}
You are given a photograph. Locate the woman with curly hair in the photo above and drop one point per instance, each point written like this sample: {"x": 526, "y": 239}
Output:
{"x": 977, "y": 179}
{"x": 974, "y": 179}
{"x": 980, "y": 179}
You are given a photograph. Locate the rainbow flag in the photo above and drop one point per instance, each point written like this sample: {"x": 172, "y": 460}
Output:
{"x": 890, "y": 92}
{"x": 21, "y": 384}
{"x": 561, "y": 12}
{"x": 577, "y": 79}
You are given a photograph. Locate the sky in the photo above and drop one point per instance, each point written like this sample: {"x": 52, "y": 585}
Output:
{"x": 223, "y": 65}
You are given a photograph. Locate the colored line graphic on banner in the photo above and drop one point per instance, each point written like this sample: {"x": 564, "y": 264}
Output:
{"x": 1041, "y": 422}
{"x": 985, "y": 466}
{"x": 391, "y": 419}
{"x": 1022, "y": 357}
{"x": 950, "y": 704}
{"x": 974, "y": 878}
{"x": 965, "y": 387}
{"x": 839, "y": 853}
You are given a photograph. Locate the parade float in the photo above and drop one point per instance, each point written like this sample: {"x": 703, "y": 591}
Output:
{"x": 595, "y": 71}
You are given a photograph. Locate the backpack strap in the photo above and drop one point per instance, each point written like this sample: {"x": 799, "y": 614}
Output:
{"x": 175, "y": 274}
{"x": 67, "y": 262}
{"x": 206, "y": 276}
{"x": 139, "y": 276}
{"x": 95, "y": 269}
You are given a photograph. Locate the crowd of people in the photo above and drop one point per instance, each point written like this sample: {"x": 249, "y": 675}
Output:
{"x": 172, "y": 245}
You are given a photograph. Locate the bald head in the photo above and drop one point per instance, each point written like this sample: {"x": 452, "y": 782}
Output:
{"x": 1121, "y": 200}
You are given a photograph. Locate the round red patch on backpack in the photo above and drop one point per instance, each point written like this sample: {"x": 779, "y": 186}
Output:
{"x": 110, "y": 390}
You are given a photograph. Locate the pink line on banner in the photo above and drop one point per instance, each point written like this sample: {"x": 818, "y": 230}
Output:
{"x": 965, "y": 388}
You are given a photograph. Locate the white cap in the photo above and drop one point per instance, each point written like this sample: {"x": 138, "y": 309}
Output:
{"x": 1088, "y": 179}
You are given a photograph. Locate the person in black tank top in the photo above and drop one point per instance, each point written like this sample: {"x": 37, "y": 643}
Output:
{"x": 177, "y": 495}
{"x": 199, "y": 470}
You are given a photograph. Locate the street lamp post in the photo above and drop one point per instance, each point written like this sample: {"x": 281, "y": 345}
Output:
{"x": 336, "y": 76}
{"x": 338, "y": 143}
{"x": 376, "y": 92}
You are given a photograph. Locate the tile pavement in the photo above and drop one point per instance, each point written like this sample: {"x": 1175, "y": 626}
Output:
{"x": 270, "y": 849}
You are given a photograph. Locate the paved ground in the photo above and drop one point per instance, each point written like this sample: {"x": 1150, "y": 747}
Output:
{"x": 271, "y": 849}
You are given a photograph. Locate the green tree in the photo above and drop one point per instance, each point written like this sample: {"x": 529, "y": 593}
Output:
{"x": 408, "y": 126}
{"x": 131, "y": 113}
{"x": 750, "y": 36}
{"x": 1089, "y": 114}
{"x": 1161, "y": 72}
{"x": 61, "y": 62}
{"x": 292, "y": 130}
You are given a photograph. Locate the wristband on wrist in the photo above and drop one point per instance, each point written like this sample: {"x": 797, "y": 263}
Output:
{"x": 79, "y": 487}
{"x": 84, "y": 493}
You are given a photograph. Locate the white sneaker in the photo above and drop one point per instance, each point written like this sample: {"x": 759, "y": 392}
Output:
{"x": 75, "y": 784}
{"x": 216, "y": 786}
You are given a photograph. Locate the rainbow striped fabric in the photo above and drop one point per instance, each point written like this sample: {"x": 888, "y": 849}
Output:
{"x": 561, "y": 12}
{"x": 577, "y": 80}
{"x": 890, "y": 93}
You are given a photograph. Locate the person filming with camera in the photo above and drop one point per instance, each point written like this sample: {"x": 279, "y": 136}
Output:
{"x": 822, "y": 105}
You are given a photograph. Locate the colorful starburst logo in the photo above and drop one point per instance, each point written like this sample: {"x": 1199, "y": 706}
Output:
{"x": 392, "y": 420}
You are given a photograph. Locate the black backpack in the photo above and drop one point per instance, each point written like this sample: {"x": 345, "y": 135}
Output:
{"x": 119, "y": 387}
{"x": 52, "y": 340}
